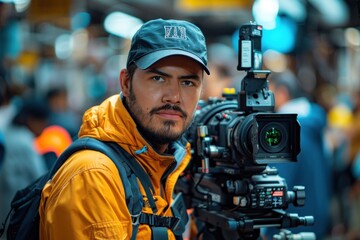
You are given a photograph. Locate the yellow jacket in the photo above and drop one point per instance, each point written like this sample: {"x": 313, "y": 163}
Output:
{"x": 86, "y": 200}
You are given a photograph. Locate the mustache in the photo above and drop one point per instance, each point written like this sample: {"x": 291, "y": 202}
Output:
{"x": 169, "y": 107}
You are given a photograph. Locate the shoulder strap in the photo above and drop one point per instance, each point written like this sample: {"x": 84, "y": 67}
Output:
{"x": 158, "y": 224}
{"x": 113, "y": 151}
{"x": 139, "y": 172}
{"x": 124, "y": 162}
{"x": 129, "y": 170}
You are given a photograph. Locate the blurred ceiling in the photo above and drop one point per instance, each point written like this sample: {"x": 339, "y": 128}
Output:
{"x": 215, "y": 18}
{"x": 222, "y": 17}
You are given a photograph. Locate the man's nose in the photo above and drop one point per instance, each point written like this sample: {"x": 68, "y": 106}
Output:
{"x": 172, "y": 93}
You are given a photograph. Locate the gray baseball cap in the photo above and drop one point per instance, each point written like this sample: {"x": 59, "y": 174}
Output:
{"x": 159, "y": 38}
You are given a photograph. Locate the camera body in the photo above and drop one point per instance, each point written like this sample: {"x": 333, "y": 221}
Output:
{"x": 233, "y": 149}
{"x": 228, "y": 181}
{"x": 225, "y": 135}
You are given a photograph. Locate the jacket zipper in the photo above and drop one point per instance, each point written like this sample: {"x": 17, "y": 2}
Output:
{"x": 169, "y": 169}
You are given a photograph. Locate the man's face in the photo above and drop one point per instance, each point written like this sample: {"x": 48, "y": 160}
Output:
{"x": 162, "y": 99}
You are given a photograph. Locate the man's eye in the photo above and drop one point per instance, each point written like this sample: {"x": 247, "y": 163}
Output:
{"x": 188, "y": 83}
{"x": 158, "y": 78}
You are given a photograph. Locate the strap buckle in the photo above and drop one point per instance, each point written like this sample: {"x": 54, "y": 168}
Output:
{"x": 136, "y": 219}
{"x": 175, "y": 223}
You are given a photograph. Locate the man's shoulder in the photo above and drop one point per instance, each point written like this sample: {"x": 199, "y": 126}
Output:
{"x": 86, "y": 161}
{"x": 85, "y": 169}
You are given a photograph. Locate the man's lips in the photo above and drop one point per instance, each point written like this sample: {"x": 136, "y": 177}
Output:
{"x": 170, "y": 114}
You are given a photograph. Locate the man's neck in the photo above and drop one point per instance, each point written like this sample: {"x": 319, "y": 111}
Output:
{"x": 161, "y": 148}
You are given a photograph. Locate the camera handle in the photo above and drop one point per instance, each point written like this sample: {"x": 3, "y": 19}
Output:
{"x": 247, "y": 227}
{"x": 255, "y": 95}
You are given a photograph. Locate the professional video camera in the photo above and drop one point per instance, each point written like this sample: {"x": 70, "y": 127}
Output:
{"x": 233, "y": 191}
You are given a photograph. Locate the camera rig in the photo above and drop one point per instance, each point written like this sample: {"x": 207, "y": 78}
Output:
{"x": 228, "y": 183}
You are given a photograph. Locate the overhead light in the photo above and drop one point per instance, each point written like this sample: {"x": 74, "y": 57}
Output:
{"x": 80, "y": 20}
{"x": 265, "y": 12}
{"x": 282, "y": 38}
{"x": 294, "y": 9}
{"x": 64, "y": 46}
{"x": 336, "y": 12}
{"x": 20, "y": 5}
{"x": 352, "y": 36}
{"x": 121, "y": 24}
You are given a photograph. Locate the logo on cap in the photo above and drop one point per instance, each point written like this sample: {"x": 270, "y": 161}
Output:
{"x": 177, "y": 32}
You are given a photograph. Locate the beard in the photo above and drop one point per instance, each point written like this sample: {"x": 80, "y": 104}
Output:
{"x": 155, "y": 132}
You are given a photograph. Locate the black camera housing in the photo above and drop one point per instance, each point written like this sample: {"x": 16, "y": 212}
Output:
{"x": 250, "y": 54}
{"x": 238, "y": 140}
{"x": 233, "y": 139}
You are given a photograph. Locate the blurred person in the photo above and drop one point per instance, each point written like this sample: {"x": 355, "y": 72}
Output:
{"x": 354, "y": 134}
{"x": 340, "y": 121}
{"x": 222, "y": 64}
{"x": 3, "y": 86}
{"x": 216, "y": 82}
{"x": 161, "y": 86}
{"x": 353, "y": 157}
{"x": 10, "y": 35}
{"x": 2, "y": 148}
{"x": 61, "y": 113}
{"x": 22, "y": 164}
{"x": 11, "y": 47}
{"x": 312, "y": 170}
{"x": 7, "y": 107}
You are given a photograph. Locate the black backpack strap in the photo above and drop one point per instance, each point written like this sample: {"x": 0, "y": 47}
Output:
{"x": 129, "y": 171}
{"x": 126, "y": 165}
{"x": 158, "y": 224}
{"x": 159, "y": 221}
{"x": 139, "y": 172}
{"x": 159, "y": 233}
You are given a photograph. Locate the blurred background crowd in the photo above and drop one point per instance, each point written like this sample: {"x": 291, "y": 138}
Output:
{"x": 59, "y": 57}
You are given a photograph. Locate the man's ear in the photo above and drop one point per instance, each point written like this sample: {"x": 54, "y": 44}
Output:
{"x": 125, "y": 82}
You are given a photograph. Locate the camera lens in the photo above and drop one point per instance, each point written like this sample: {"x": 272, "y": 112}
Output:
{"x": 273, "y": 136}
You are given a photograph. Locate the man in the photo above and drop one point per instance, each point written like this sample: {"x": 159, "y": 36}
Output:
{"x": 312, "y": 169}
{"x": 22, "y": 163}
{"x": 160, "y": 90}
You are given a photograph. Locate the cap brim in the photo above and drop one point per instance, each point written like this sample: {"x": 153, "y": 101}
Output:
{"x": 149, "y": 59}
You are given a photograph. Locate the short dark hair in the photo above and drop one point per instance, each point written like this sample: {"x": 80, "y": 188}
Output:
{"x": 131, "y": 70}
{"x": 56, "y": 91}
{"x": 32, "y": 106}
{"x": 4, "y": 88}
